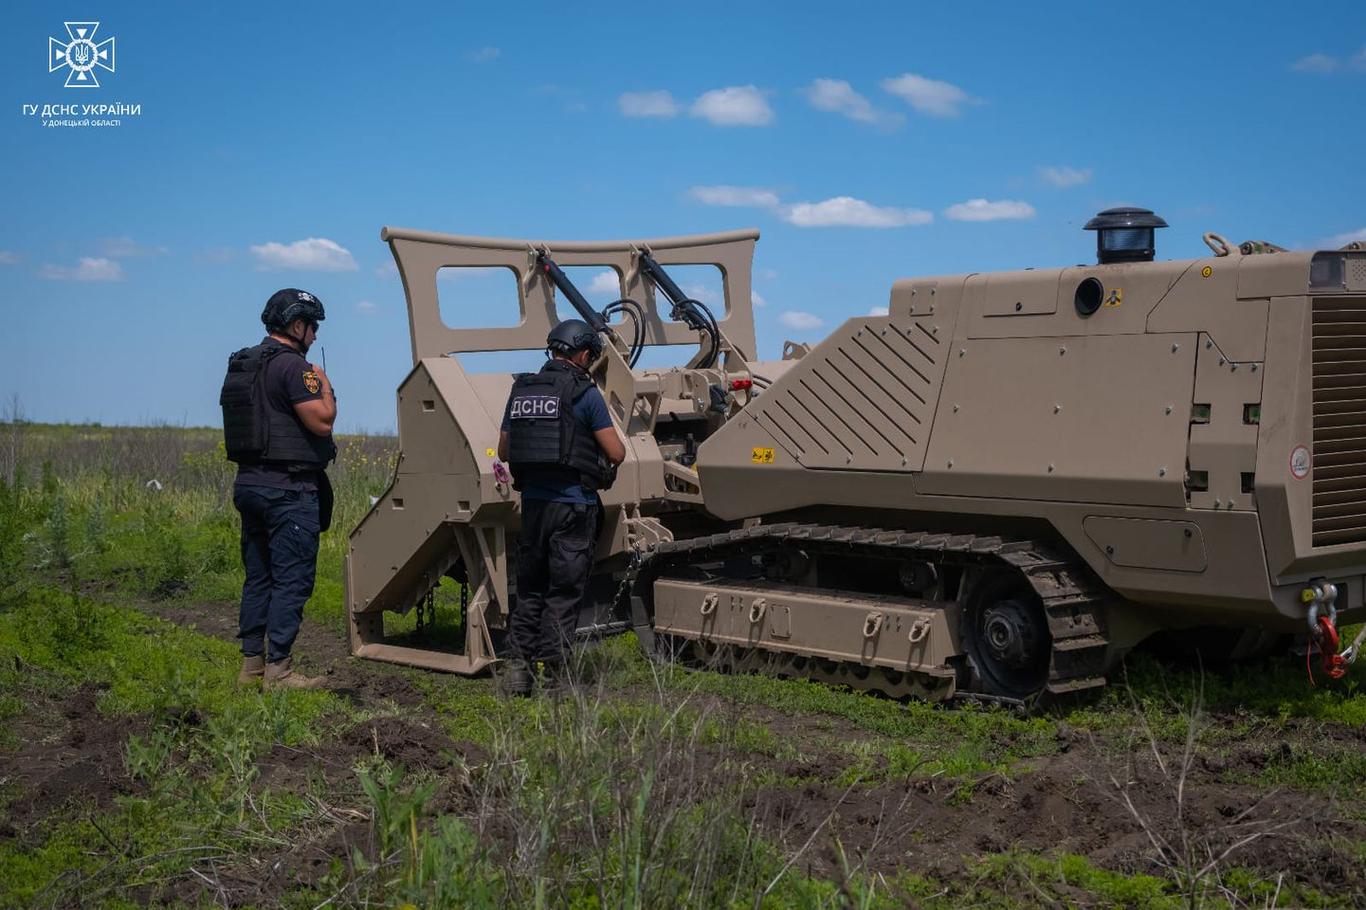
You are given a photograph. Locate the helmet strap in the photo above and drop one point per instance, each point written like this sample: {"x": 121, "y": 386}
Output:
{"x": 303, "y": 348}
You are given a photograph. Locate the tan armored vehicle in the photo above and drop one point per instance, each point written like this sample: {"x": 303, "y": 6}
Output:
{"x": 996, "y": 489}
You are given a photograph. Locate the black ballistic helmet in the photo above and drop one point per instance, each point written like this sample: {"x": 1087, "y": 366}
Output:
{"x": 289, "y": 304}
{"x": 573, "y": 335}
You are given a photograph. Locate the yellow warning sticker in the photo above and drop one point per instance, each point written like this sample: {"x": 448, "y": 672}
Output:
{"x": 1115, "y": 298}
{"x": 1206, "y": 272}
{"x": 761, "y": 455}
{"x": 492, "y": 453}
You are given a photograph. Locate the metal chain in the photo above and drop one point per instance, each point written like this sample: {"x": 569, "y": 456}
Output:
{"x": 632, "y": 571}
{"x": 426, "y": 612}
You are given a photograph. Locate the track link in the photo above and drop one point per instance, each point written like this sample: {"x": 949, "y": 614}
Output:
{"x": 1073, "y": 600}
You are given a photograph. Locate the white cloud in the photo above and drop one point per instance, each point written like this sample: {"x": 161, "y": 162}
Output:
{"x": 846, "y": 211}
{"x": 366, "y": 308}
{"x": 9, "y": 257}
{"x": 1064, "y": 177}
{"x": 756, "y": 300}
{"x": 89, "y": 268}
{"x": 878, "y": 311}
{"x": 125, "y": 247}
{"x": 736, "y": 105}
{"x": 841, "y": 211}
{"x": 647, "y": 104}
{"x": 766, "y": 274}
{"x": 1316, "y": 63}
{"x": 983, "y": 210}
{"x": 457, "y": 272}
{"x": 802, "y": 322}
{"x": 839, "y": 97}
{"x": 1327, "y": 64}
{"x": 929, "y": 96}
{"x": 1341, "y": 240}
{"x": 385, "y": 269}
{"x": 317, "y": 254}
{"x": 735, "y": 196}
{"x": 483, "y": 55}
{"x": 605, "y": 283}
{"x": 708, "y": 295}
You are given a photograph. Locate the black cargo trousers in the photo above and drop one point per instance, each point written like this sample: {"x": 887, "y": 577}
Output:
{"x": 554, "y": 560}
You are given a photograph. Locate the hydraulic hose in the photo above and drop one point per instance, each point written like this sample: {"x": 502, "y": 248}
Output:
{"x": 691, "y": 312}
{"x": 629, "y": 307}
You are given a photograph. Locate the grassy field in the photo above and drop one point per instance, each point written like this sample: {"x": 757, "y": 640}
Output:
{"x": 134, "y": 772}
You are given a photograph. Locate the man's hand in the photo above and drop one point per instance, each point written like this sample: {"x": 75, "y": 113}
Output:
{"x": 326, "y": 383}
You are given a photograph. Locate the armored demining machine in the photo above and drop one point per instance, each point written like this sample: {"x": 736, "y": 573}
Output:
{"x": 995, "y": 490}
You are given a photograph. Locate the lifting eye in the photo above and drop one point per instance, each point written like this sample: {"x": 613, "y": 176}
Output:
{"x": 1089, "y": 294}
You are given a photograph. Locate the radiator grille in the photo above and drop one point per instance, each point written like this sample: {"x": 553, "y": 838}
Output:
{"x": 1356, "y": 273}
{"x": 1339, "y": 465}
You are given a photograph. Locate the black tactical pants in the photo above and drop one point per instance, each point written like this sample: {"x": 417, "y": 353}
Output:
{"x": 554, "y": 559}
{"x": 280, "y": 556}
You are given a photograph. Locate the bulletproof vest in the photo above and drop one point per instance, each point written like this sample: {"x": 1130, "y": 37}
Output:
{"x": 254, "y": 430}
{"x": 546, "y": 443}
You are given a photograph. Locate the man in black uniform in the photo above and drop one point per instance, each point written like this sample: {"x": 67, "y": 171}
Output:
{"x": 558, "y": 439}
{"x": 278, "y": 411}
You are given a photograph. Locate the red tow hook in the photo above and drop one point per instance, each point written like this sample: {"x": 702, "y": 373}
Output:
{"x": 1334, "y": 664}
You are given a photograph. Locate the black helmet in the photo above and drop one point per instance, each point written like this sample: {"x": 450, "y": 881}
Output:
{"x": 289, "y": 304}
{"x": 573, "y": 335}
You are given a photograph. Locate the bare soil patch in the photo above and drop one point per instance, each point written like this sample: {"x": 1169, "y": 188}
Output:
{"x": 343, "y": 825}
{"x": 318, "y": 644}
{"x": 68, "y": 754}
{"x": 1067, "y": 802}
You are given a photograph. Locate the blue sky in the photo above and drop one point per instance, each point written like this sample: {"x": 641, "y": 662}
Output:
{"x": 867, "y": 143}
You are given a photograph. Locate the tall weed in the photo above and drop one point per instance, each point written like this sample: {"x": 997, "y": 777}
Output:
{"x": 17, "y": 520}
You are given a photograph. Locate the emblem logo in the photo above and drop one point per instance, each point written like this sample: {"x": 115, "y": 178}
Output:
{"x": 81, "y": 55}
{"x": 311, "y": 382}
{"x": 1300, "y": 462}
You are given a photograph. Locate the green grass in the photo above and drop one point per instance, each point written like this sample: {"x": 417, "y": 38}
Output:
{"x": 197, "y": 762}
{"x": 667, "y": 755}
{"x": 146, "y": 665}
{"x": 78, "y": 505}
{"x": 894, "y": 739}
{"x": 1066, "y": 879}
{"x": 1276, "y": 689}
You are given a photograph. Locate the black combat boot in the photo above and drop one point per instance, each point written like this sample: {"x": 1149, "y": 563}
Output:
{"x": 516, "y": 678}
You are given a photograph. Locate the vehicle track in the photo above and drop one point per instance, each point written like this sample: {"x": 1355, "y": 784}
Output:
{"x": 1072, "y": 598}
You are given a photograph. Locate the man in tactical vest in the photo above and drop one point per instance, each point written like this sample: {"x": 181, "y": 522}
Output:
{"x": 278, "y": 411}
{"x": 558, "y": 439}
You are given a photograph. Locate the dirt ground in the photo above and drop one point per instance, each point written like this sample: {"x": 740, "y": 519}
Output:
{"x": 1059, "y": 804}
{"x": 1072, "y": 800}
